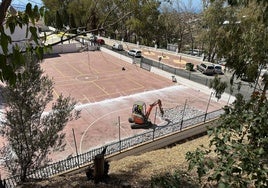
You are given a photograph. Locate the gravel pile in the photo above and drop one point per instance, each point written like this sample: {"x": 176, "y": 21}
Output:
{"x": 180, "y": 113}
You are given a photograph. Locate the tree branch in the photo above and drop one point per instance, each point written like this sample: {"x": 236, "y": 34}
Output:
{"x": 3, "y": 9}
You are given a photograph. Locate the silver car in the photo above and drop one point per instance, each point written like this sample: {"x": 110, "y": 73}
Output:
{"x": 134, "y": 52}
{"x": 218, "y": 69}
{"x": 206, "y": 68}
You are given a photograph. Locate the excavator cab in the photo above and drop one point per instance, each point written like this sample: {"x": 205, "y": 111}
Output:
{"x": 140, "y": 114}
{"x": 139, "y": 107}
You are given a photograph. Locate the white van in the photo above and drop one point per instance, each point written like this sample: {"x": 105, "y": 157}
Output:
{"x": 117, "y": 46}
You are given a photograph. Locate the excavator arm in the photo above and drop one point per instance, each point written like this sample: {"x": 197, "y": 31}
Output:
{"x": 149, "y": 109}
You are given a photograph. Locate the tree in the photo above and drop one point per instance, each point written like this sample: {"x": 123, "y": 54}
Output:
{"x": 218, "y": 86}
{"x": 212, "y": 21}
{"x": 72, "y": 23}
{"x": 30, "y": 133}
{"x": 11, "y": 54}
{"x": 4, "y": 7}
{"x": 59, "y": 24}
{"x": 180, "y": 25}
{"x": 239, "y": 155}
{"x": 240, "y": 36}
{"x": 54, "y": 7}
{"x": 142, "y": 22}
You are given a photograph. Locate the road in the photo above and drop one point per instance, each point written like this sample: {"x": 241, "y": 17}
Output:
{"x": 178, "y": 60}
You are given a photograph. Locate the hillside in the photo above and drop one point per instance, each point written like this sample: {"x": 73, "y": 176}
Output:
{"x": 134, "y": 171}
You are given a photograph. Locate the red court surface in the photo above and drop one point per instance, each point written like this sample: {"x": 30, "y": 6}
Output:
{"x": 105, "y": 95}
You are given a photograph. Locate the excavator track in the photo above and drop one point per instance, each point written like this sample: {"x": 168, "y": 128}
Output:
{"x": 147, "y": 125}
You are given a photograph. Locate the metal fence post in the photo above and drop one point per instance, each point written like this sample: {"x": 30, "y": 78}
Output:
{"x": 119, "y": 133}
{"x": 153, "y": 132}
{"x": 154, "y": 121}
{"x": 76, "y": 148}
{"x": 189, "y": 78}
{"x": 208, "y": 106}
{"x": 183, "y": 114}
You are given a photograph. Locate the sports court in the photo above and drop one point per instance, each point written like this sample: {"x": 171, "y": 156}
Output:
{"x": 106, "y": 88}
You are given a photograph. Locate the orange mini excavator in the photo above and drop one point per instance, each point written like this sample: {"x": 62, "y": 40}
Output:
{"x": 140, "y": 114}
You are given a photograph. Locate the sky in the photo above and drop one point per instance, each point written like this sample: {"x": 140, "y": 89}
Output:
{"x": 20, "y": 4}
{"x": 191, "y": 5}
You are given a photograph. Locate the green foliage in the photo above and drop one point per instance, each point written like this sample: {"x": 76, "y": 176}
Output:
{"x": 238, "y": 148}
{"x": 212, "y": 34}
{"x": 59, "y": 24}
{"x": 239, "y": 35}
{"x": 31, "y": 133}
{"x": 189, "y": 66}
{"x": 11, "y": 58}
{"x": 173, "y": 180}
{"x": 135, "y": 20}
{"x": 72, "y": 23}
{"x": 218, "y": 86}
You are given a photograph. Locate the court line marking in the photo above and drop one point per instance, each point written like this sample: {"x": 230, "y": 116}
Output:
{"x": 57, "y": 70}
{"x": 84, "y": 133}
{"x": 103, "y": 89}
{"x": 55, "y": 92}
{"x": 73, "y": 68}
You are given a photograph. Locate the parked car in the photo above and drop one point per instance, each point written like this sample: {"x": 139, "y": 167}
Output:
{"x": 134, "y": 52}
{"x": 206, "y": 68}
{"x": 117, "y": 46}
{"x": 100, "y": 41}
{"x": 218, "y": 69}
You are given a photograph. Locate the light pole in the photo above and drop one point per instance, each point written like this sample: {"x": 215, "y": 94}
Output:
{"x": 208, "y": 105}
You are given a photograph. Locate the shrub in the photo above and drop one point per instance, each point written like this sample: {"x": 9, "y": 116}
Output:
{"x": 189, "y": 66}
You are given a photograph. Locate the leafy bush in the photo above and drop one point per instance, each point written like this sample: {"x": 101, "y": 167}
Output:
{"x": 177, "y": 179}
{"x": 189, "y": 66}
{"x": 238, "y": 151}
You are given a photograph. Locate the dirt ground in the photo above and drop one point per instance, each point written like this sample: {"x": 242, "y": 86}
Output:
{"x": 136, "y": 171}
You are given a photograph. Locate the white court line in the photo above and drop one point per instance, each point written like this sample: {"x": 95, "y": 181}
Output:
{"x": 69, "y": 144}
{"x": 81, "y": 140}
{"x": 136, "y": 95}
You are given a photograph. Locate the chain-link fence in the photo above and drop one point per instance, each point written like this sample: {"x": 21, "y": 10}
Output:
{"x": 176, "y": 71}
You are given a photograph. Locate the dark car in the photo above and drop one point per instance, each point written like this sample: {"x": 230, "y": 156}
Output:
{"x": 100, "y": 41}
